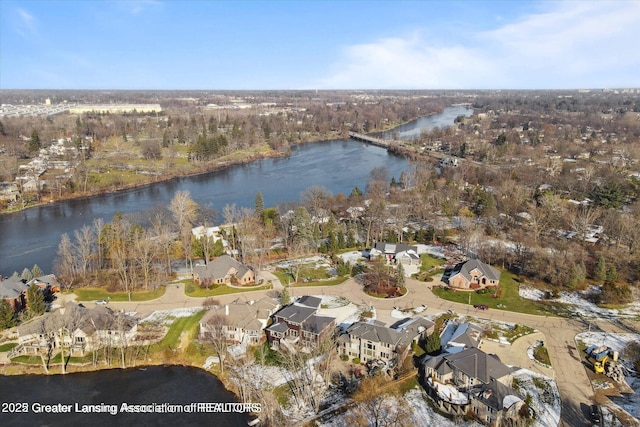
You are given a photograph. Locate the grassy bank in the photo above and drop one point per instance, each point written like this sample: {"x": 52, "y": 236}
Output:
{"x": 195, "y": 291}
{"x": 93, "y": 294}
{"x": 509, "y": 298}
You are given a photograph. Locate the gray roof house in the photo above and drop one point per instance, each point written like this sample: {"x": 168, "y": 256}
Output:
{"x": 14, "y": 291}
{"x": 473, "y": 274}
{"x": 396, "y": 252}
{"x": 223, "y": 270}
{"x": 376, "y": 342}
{"x": 299, "y": 324}
{"x": 241, "y": 322}
{"x": 464, "y": 378}
{"x": 77, "y": 328}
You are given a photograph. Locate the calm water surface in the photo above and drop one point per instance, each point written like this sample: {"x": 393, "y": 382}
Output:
{"x": 32, "y": 236}
{"x": 174, "y": 385}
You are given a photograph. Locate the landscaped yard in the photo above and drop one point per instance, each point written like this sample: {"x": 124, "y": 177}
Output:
{"x": 193, "y": 290}
{"x": 93, "y": 294}
{"x": 8, "y": 346}
{"x": 509, "y": 300}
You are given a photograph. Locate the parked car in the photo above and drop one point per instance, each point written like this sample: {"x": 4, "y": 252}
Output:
{"x": 101, "y": 302}
{"x": 481, "y": 307}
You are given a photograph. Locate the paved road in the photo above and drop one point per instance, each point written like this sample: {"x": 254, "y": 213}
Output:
{"x": 573, "y": 383}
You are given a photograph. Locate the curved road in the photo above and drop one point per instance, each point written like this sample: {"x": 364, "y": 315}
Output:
{"x": 574, "y": 386}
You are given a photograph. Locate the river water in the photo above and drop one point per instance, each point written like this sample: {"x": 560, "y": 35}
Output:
{"x": 32, "y": 236}
{"x": 22, "y": 398}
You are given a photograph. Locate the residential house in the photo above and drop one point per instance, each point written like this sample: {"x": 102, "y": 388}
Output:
{"x": 298, "y": 324}
{"x": 14, "y": 291}
{"x": 241, "y": 322}
{"x": 375, "y": 342}
{"x": 9, "y": 191}
{"x": 223, "y": 270}
{"x": 76, "y": 328}
{"x": 464, "y": 378}
{"x": 472, "y": 274}
{"x": 396, "y": 252}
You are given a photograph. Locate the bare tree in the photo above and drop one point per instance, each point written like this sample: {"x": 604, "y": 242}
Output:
{"x": 185, "y": 212}
{"x": 231, "y": 215}
{"x": 375, "y": 408}
{"x": 215, "y": 333}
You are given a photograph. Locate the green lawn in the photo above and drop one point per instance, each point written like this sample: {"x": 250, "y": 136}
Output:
{"x": 330, "y": 282}
{"x": 93, "y": 294}
{"x": 196, "y": 291}
{"x": 510, "y": 299}
{"x": 170, "y": 340}
{"x": 8, "y": 346}
{"x": 429, "y": 261}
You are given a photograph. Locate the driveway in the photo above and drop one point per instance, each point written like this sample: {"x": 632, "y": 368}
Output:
{"x": 559, "y": 333}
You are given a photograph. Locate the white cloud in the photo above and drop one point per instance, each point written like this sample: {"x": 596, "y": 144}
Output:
{"x": 139, "y": 6}
{"x": 572, "y": 44}
{"x": 26, "y": 24}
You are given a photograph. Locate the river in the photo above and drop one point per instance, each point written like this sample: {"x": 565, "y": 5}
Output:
{"x": 23, "y": 398}
{"x": 32, "y": 236}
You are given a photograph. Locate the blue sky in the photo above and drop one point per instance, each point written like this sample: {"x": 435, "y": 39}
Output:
{"x": 149, "y": 44}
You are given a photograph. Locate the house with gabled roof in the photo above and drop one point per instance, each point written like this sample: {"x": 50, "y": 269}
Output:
{"x": 299, "y": 325}
{"x": 396, "y": 252}
{"x": 464, "y": 378}
{"x": 377, "y": 342}
{"x": 473, "y": 274}
{"x": 223, "y": 270}
{"x": 14, "y": 291}
{"x": 241, "y": 322}
{"x": 76, "y": 328}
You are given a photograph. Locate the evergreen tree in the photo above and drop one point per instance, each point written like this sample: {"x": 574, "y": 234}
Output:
{"x": 340, "y": 238}
{"x": 400, "y": 279}
{"x": 600, "y": 272}
{"x": 612, "y": 275}
{"x": 356, "y": 195}
{"x": 433, "y": 345}
{"x": 34, "y": 142}
{"x": 26, "y": 275}
{"x": 8, "y": 316}
{"x": 35, "y": 301}
{"x": 36, "y": 271}
{"x": 351, "y": 239}
{"x": 3, "y": 132}
{"x": 285, "y": 298}
{"x": 259, "y": 207}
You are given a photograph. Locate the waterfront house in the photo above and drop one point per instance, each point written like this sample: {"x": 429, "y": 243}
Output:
{"x": 223, "y": 270}
{"x": 375, "y": 342}
{"x": 299, "y": 325}
{"x": 76, "y": 328}
{"x": 14, "y": 291}
{"x": 241, "y": 322}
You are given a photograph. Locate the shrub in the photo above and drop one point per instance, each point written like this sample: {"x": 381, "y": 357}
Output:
{"x": 356, "y": 360}
{"x": 344, "y": 357}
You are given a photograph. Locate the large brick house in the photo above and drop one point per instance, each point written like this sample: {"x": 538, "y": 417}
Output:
{"x": 473, "y": 274}
{"x": 299, "y": 325}
{"x": 223, "y": 270}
